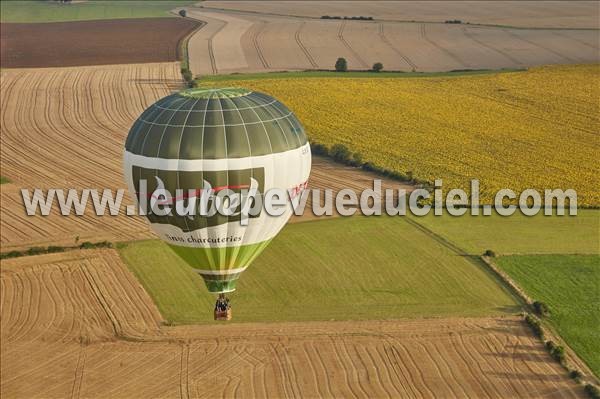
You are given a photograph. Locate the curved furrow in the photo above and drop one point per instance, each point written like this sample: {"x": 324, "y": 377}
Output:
{"x": 256, "y": 33}
{"x": 449, "y": 383}
{"x": 481, "y": 378}
{"x": 583, "y": 42}
{"x": 395, "y": 348}
{"x": 535, "y": 44}
{"x": 450, "y": 54}
{"x": 306, "y": 349}
{"x": 503, "y": 53}
{"x": 368, "y": 361}
{"x": 480, "y": 347}
{"x": 357, "y": 56}
{"x": 396, "y": 373}
{"x": 21, "y": 305}
{"x": 309, "y": 57}
{"x": 442, "y": 353}
{"x": 211, "y": 51}
{"x": 404, "y": 57}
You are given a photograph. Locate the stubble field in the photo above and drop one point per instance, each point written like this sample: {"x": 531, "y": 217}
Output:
{"x": 65, "y": 128}
{"x": 549, "y": 14}
{"x": 79, "y": 324}
{"x": 82, "y": 315}
{"x": 257, "y": 40}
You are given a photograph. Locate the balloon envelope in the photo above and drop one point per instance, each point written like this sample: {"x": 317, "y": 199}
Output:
{"x": 198, "y": 143}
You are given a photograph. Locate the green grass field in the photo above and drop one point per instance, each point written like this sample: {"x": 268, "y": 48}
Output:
{"x": 570, "y": 286}
{"x": 4, "y": 180}
{"x": 49, "y": 11}
{"x": 519, "y": 234}
{"x": 342, "y": 269}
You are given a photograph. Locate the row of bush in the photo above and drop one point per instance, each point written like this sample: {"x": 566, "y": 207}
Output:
{"x": 359, "y": 18}
{"x": 592, "y": 391}
{"x": 342, "y": 154}
{"x": 188, "y": 77}
{"x": 557, "y": 351}
{"x": 341, "y": 65}
{"x": 535, "y": 325}
{"x": 54, "y": 249}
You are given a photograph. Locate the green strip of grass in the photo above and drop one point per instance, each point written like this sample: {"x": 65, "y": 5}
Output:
{"x": 50, "y": 11}
{"x": 570, "y": 286}
{"x": 4, "y": 180}
{"x": 349, "y": 74}
{"x": 343, "y": 269}
{"x": 520, "y": 234}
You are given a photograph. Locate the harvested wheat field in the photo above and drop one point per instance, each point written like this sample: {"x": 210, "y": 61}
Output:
{"x": 65, "y": 128}
{"x": 105, "y": 42}
{"x": 258, "y": 40}
{"x": 78, "y": 324}
{"x": 527, "y": 14}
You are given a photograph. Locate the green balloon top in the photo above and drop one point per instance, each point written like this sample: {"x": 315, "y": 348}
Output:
{"x": 215, "y": 123}
{"x": 225, "y": 92}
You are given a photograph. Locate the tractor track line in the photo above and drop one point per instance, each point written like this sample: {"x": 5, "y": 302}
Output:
{"x": 471, "y": 36}
{"x": 516, "y": 36}
{"x": 347, "y": 45}
{"x": 184, "y": 386}
{"x": 78, "y": 379}
{"x": 561, "y": 34}
{"x": 255, "y": 35}
{"x": 303, "y": 47}
{"x": 394, "y": 49}
{"x": 443, "y": 49}
{"x": 211, "y": 51}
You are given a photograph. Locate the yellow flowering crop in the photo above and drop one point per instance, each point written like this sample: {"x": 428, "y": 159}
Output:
{"x": 536, "y": 129}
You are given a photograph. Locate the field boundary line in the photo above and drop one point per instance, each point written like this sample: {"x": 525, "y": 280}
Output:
{"x": 183, "y": 45}
{"x": 548, "y": 329}
{"x": 507, "y": 280}
{"x": 473, "y": 259}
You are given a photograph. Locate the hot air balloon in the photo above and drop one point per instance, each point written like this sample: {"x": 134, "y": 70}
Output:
{"x": 190, "y": 146}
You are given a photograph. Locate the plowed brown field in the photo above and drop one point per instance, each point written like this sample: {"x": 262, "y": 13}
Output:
{"x": 123, "y": 41}
{"x": 79, "y": 325}
{"x": 66, "y": 127}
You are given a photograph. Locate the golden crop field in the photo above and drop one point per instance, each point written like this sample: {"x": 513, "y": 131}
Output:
{"x": 535, "y": 129}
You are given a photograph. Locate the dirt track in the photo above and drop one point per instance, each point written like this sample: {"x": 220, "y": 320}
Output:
{"x": 79, "y": 325}
{"x": 124, "y": 41}
{"x": 235, "y": 41}
{"x": 66, "y": 127}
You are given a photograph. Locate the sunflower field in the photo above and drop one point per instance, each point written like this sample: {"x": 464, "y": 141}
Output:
{"x": 532, "y": 129}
